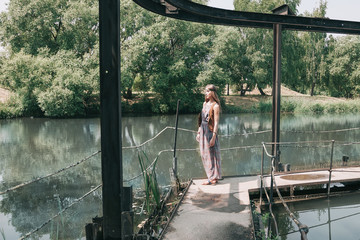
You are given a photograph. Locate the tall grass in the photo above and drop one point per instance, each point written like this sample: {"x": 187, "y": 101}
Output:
{"x": 152, "y": 192}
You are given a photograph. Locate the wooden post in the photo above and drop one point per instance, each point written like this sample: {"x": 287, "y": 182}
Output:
{"x": 110, "y": 97}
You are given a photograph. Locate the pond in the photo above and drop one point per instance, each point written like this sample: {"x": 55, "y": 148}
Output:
{"x": 32, "y": 148}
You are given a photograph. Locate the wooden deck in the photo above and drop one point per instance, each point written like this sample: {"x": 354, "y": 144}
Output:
{"x": 223, "y": 211}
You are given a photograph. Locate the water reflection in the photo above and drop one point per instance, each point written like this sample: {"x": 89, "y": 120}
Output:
{"x": 336, "y": 218}
{"x": 30, "y": 148}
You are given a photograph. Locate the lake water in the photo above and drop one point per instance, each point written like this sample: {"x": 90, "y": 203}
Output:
{"x": 32, "y": 148}
{"x": 337, "y": 218}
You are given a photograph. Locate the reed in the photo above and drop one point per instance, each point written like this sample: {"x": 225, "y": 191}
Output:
{"x": 152, "y": 192}
{"x": 2, "y": 234}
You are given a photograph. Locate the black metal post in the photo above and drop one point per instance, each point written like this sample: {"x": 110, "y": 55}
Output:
{"x": 276, "y": 95}
{"x": 110, "y": 97}
{"x": 176, "y": 129}
{"x": 262, "y": 172}
{"x": 331, "y": 163}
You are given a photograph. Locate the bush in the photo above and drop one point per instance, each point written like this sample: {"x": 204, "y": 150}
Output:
{"x": 288, "y": 106}
{"x": 265, "y": 107}
{"x": 12, "y": 108}
{"x": 59, "y": 102}
{"x": 317, "y": 108}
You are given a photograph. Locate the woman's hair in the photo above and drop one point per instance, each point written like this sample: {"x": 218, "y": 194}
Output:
{"x": 213, "y": 93}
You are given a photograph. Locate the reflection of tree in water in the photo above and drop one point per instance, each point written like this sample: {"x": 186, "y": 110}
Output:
{"x": 284, "y": 222}
{"x": 34, "y": 204}
{"x": 37, "y": 147}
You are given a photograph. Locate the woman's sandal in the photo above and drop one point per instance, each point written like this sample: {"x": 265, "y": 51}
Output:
{"x": 209, "y": 182}
{"x": 213, "y": 181}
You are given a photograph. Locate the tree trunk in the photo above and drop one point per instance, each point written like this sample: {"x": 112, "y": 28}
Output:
{"x": 128, "y": 94}
{"x": 261, "y": 91}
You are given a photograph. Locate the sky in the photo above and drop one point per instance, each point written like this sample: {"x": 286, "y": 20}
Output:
{"x": 337, "y": 9}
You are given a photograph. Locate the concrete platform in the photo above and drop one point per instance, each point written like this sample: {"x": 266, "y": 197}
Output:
{"x": 223, "y": 211}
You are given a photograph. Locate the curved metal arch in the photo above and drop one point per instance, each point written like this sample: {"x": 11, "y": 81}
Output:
{"x": 158, "y": 8}
{"x": 190, "y": 11}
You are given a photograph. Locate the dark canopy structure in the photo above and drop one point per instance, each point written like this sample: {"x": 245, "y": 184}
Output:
{"x": 190, "y": 11}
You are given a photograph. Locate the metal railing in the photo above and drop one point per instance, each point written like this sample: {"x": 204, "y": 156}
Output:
{"x": 303, "y": 229}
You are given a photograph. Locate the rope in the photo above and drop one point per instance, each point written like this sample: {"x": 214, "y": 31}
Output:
{"x": 49, "y": 175}
{"x": 302, "y": 227}
{"x": 245, "y": 134}
{"x": 240, "y": 134}
{"x": 346, "y": 143}
{"x": 140, "y": 174}
{"x": 322, "y": 224}
{"x": 183, "y": 150}
{"x": 323, "y": 131}
{"x": 58, "y": 214}
{"x": 149, "y": 140}
{"x": 270, "y": 208}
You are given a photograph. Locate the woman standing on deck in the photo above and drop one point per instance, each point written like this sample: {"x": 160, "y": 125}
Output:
{"x": 207, "y": 135}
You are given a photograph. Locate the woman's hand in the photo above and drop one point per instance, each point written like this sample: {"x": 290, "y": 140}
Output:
{"x": 198, "y": 137}
{"x": 212, "y": 140}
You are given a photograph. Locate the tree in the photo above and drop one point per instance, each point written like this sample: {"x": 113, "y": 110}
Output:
{"x": 58, "y": 86}
{"x": 229, "y": 62}
{"x": 344, "y": 70}
{"x": 315, "y": 46}
{"x": 259, "y": 44}
{"x": 168, "y": 55}
{"x": 54, "y": 24}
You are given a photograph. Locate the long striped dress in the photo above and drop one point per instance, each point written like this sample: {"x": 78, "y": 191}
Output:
{"x": 210, "y": 155}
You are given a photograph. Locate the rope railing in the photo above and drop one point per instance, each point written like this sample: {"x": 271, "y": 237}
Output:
{"x": 322, "y": 131}
{"x": 270, "y": 207}
{"x": 59, "y": 213}
{"x": 303, "y": 229}
{"x": 238, "y": 134}
{"x": 49, "y": 175}
{"x": 185, "y": 150}
{"x": 240, "y": 147}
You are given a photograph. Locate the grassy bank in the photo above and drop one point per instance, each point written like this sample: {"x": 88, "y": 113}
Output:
{"x": 291, "y": 104}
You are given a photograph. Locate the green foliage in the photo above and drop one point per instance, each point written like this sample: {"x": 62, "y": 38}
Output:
{"x": 61, "y": 85}
{"x": 54, "y": 24}
{"x": 152, "y": 191}
{"x": 26, "y": 74}
{"x": 52, "y": 59}
{"x": 12, "y": 108}
{"x": 265, "y": 107}
{"x": 288, "y": 106}
{"x": 344, "y": 68}
{"x": 317, "y": 108}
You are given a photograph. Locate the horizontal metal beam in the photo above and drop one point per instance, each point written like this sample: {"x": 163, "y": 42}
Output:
{"x": 190, "y": 11}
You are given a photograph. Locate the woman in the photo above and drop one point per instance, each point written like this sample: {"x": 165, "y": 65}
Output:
{"x": 207, "y": 135}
